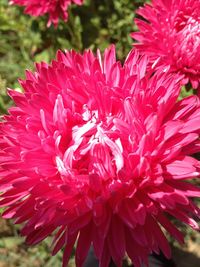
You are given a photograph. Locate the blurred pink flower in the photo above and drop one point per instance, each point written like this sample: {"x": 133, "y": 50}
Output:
{"x": 99, "y": 153}
{"x": 55, "y": 8}
{"x": 170, "y": 34}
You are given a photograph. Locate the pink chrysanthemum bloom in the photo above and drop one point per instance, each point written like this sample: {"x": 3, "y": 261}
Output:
{"x": 55, "y": 8}
{"x": 96, "y": 152}
{"x": 170, "y": 34}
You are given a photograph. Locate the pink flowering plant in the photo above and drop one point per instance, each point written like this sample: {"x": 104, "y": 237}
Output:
{"x": 96, "y": 153}
{"x": 169, "y": 32}
{"x": 100, "y": 153}
{"x": 54, "y": 8}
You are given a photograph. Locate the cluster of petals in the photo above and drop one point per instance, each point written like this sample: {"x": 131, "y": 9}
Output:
{"x": 98, "y": 153}
{"x": 54, "y": 8}
{"x": 170, "y": 33}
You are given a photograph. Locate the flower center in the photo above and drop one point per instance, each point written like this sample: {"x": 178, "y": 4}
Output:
{"x": 191, "y": 33}
{"x": 187, "y": 43}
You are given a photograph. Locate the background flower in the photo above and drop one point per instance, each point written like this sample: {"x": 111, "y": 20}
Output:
{"x": 55, "y": 8}
{"x": 170, "y": 33}
{"x": 99, "y": 153}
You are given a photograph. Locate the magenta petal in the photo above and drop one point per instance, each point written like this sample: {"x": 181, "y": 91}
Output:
{"x": 96, "y": 153}
{"x": 55, "y": 9}
{"x": 68, "y": 249}
{"x": 83, "y": 245}
{"x": 116, "y": 243}
{"x": 169, "y": 35}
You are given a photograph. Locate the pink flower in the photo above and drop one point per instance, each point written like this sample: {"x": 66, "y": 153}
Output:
{"x": 170, "y": 34}
{"x": 99, "y": 153}
{"x": 55, "y": 8}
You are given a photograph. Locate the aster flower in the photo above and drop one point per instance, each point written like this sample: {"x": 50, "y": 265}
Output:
{"x": 98, "y": 153}
{"x": 55, "y": 8}
{"x": 170, "y": 34}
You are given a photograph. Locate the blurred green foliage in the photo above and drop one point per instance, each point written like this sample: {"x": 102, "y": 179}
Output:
{"x": 24, "y": 39}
